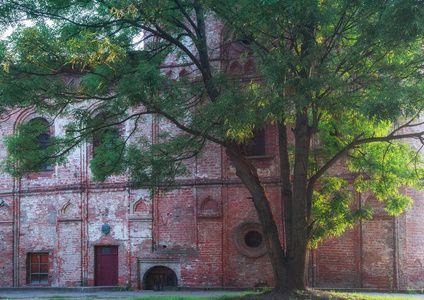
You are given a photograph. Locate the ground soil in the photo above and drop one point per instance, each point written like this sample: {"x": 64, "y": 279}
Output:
{"x": 308, "y": 294}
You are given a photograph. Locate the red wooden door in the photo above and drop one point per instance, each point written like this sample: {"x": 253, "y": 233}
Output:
{"x": 106, "y": 266}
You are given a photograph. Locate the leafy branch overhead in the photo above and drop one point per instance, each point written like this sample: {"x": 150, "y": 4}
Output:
{"x": 341, "y": 80}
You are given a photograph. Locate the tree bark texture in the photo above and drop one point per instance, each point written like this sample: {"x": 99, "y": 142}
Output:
{"x": 289, "y": 263}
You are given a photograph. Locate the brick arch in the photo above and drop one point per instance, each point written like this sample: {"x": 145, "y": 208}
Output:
{"x": 139, "y": 206}
{"x": 147, "y": 264}
{"x": 208, "y": 204}
{"x": 27, "y": 115}
{"x": 235, "y": 67}
{"x": 249, "y": 240}
{"x": 5, "y": 208}
{"x": 93, "y": 108}
{"x": 68, "y": 208}
{"x": 183, "y": 73}
{"x": 170, "y": 74}
{"x": 158, "y": 277}
{"x": 249, "y": 68}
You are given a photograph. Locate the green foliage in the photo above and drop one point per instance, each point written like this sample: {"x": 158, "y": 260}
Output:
{"x": 388, "y": 166}
{"x": 107, "y": 154}
{"x": 334, "y": 209}
{"x": 158, "y": 164}
{"x": 348, "y": 70}
{"x": 26, "y": 152}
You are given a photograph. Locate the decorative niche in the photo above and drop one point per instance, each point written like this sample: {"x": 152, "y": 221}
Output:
{"x": 141, "y": 209}
{"x": 209, "y": 208}
{"x": 69, "y": 212}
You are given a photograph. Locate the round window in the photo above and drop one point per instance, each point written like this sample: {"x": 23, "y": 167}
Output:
{"x": 253, "y": 239}
{"x": 249, "y": 240}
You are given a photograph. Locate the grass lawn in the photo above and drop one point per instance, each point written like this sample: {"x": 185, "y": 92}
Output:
{"x": 298, "y": 295}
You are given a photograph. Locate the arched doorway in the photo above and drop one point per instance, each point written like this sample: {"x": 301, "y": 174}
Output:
{"x": 159, "y": 277}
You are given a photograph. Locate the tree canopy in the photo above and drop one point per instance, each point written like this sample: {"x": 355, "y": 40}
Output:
{"x": 342, "y": 79}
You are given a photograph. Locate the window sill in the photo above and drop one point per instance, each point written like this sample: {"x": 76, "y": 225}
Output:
{"x": 42, "y": 173}
{"x": 260, "y": 157}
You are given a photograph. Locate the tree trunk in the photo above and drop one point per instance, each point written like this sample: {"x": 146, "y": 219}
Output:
{"x": 290, "y": 272}
{"x": 298, "y": 262}
{"x": 290, "y": 265}
{"x": 248, "y": 175}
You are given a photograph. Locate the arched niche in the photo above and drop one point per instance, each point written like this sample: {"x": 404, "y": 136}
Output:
{"x": 236, "y": 68}
{"x": 183, "y": 73}
{"x": 209, "y": 208}
{"x": 159, "y": 278}
{"x": 249, "y": 68}
{"x": 141, "y": 207}
{"x": 147, "y": 265}
{"x": 69, "y": 209}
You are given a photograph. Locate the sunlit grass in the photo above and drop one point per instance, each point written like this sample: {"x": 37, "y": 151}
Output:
{"x": 223, "y": 297}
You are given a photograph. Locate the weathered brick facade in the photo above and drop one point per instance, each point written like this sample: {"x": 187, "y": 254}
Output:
{"x": 197, "y": 230}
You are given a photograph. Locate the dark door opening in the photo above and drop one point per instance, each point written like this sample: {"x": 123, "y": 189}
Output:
{"x": 106, "y": 262}
{"x": 158, "y": 278}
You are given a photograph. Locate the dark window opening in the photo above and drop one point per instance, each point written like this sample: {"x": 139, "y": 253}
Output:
{"x": 44, "y": 139}
{"x": 99, "y": 137}
{"x": 109, "y": 135}
{"x": 38, "y": 268}
{"x": 160, "y": 278}
{"x": 256, "y": 146}
{"x": 253, "y": 239}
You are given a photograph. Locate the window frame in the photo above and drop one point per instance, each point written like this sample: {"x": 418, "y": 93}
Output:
{"x": 38, "y": 261}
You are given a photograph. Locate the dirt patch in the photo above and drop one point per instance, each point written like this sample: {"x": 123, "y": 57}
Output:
{"x": 296, "y": 295}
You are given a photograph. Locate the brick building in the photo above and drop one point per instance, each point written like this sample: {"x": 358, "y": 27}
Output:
{"x": 59, "y": 228}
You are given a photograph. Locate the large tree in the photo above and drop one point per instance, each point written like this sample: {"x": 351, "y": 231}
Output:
{"x": 342, "y": 80}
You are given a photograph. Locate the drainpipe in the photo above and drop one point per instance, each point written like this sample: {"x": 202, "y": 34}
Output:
{"x": 395, "y": 255}
{"x": 16, "y": 224}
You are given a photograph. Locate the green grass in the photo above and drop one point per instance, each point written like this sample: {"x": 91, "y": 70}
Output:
{"x": 224, "y": 297}
{"x": 299, "y": 295}
{"x": 353, "y": 296}
{"x": 253, "y": 295}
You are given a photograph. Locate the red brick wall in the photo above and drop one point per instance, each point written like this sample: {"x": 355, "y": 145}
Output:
{"x": 6, "y": 248}
{"x": 414, "y": 227}
{"x": 191, "y": 229}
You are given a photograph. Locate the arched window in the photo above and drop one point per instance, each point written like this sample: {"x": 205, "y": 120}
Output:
{"x": 43, "y": 139}
{"x": 105, "y": 136}
{"x": 107, "y": 147}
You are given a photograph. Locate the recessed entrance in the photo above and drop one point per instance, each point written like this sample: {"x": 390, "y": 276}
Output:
{"x": 158, "y": 278}
{"x": 106, "y": 261}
